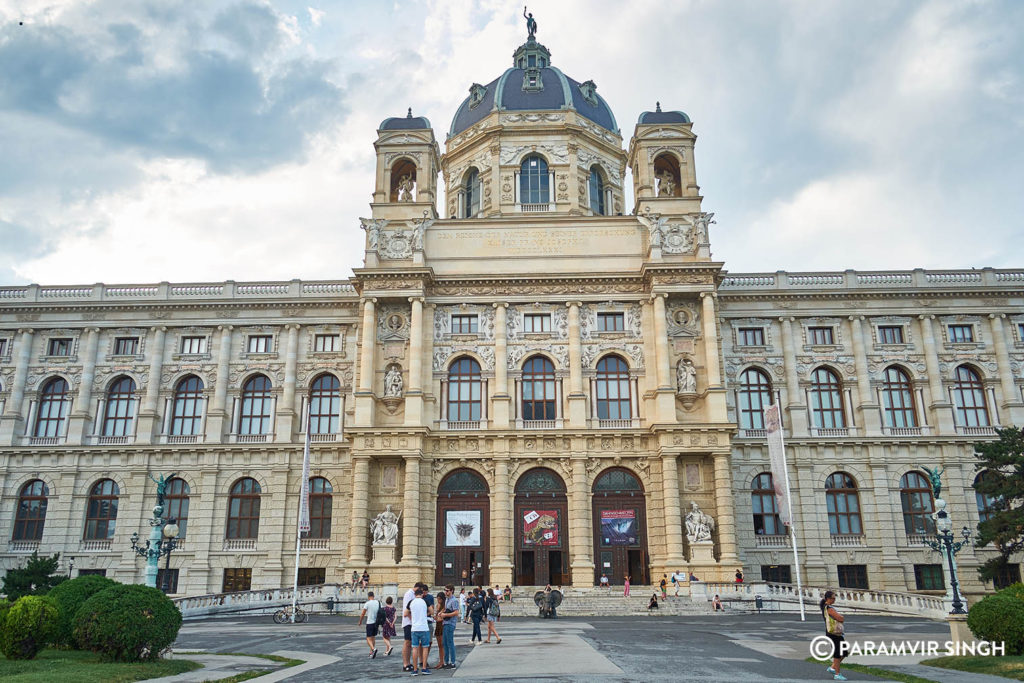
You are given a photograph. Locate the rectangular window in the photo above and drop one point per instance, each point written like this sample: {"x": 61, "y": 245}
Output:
{"x": 611, "y": 322}
{"x": 312, "y": 576}
{"x": 776, "y": 573}
{"x": 261, "y": 343}
{"x": 3, "y": 347}
{"x": 853, "y": 575}
{"x": 890, "y": 334}
{"x": 465, "y": 324}
{"x": 1020, "y": 332}
{"x": 325, "y": 343}
{"x": 750, "y": 336}
{"x": 59, "y": 347}
{"x": 237, "y": 579}
{"x": 92, "y": 572}
{"x": 170, "y": 576}
{"x": 126, "y": 346}
{"x": 820, "y": 336}
{"x": 928, "y": 577}
{"x": 1006, "y": 576}
{"x": 193, "y": 345}
{"x": 536, "y": 322}
{"x": 961, "y": 334}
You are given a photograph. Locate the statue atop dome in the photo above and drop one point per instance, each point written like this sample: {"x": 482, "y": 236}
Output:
{"x": 531, "y": 24}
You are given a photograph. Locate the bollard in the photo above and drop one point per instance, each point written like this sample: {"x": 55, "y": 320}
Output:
{"x": 759, "y": 603}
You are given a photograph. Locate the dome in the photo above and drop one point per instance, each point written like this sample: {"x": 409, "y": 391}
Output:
{"x": 408, "y": 122}
{"x": 659, "y": 116}
{"x": 532, "y": 84}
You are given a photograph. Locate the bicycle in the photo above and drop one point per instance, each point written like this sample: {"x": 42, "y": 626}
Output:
{"x": 284, "y": 616}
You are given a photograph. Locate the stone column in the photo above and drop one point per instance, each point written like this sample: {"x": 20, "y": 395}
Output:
{"x": 1012, "y": 406}
{"x": 287, "y": 416}
{"x": 359, "y": 515}
{"x": 414, "y": 392}
{"x": 576, "y": 398}
{"x": 427, "y": 371}
{"x": 149, "y": 420}
{"x": 868, "y": 409}
{"x": 410, "y": 565}
{"x": 217, "y": 420}
{"x": 942, "y": 416}
{"x": 672, "y": 513}
{"x": 364, "y": 394}
{"x": 665, "y": 394}
{"x": 501, "y": 398}
{"x": 501, "y": 524}
{"x": 715, "y": 400}
{"x": 11, "y": 424}
{"x": 796, "y": 409}
{"x": 581, "y": 534}
{"x": 726, "y": 521}
{"x": 78, "y": 421}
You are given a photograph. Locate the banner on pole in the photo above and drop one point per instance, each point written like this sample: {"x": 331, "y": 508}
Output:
{"x": 777, "y": 455}
{"x": 304, "y": 495}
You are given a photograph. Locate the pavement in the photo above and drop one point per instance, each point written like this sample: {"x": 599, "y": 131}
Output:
{"x": 713, "y": 648}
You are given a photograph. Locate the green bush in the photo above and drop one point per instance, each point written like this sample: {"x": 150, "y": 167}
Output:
{"x": 999, "y": 618}
{"x": 69, "y": 597}
{"x": 1015, "y": 590}
{"x": 127, "y": 623}
{"x": 28, "y": 627}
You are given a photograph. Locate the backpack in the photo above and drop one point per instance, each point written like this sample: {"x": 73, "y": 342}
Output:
{"x": 494, "y": 610}
{"x": 381, "y": 616}
{"x": 476, "y": 606}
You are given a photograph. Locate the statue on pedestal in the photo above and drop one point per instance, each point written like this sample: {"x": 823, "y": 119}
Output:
{"x": 384, "y": 527}
{"x": 686, "y": 377}
{"x": 699, "y": 525}
{"x": 393, "y": 384}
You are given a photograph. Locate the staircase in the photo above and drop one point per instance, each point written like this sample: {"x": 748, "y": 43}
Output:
{"x": 601, "y": 602}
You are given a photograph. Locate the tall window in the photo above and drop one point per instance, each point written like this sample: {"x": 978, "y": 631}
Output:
{"x": 472, "y": 193}
{"x": 254, "y": 417}
{"x": 101, "y": 511}
{"x": 827, "y": 400}
{"x": 31, "y": 513}
{"x": 326, "y": 343}
{"x": 613, "y": 392}
{"x": 176, "y": 503}
{"x": 969, "y": 398}
{"x": 916, "y": 499}
{"x": 538, "y": 389}
{"x": 754, "y": 396}
{"x": 898, "y": 399}
{"x": 187, "y": 407}
{"x": 120, "y": 409}
{"x": 465, "y": 388}
{"x": 53, "y": 408}
{"x": 596, "y": 192}
{"x": 324, "y": 405}
{"x": 843, "y": 504}
{"x": 984, "y": 500}
{"x": 765, "y": 506}
{"x": 320, "y": 502}
{"x": 244, "y": 509}
{"x": 534, "y": 181}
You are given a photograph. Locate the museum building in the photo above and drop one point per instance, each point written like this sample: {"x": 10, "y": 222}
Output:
{"x": 543, "y": 384}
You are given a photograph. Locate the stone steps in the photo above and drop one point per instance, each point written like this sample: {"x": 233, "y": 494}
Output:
{"x": 602, "y": 602}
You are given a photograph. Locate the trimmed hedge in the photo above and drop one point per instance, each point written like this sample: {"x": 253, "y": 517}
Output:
{"x": 1015, "y": 590}
{"x": 127, "y": 623}
{"x": 28, "y": 627}
{"x": 69, "y": 597}
{"x": 999, "y": 618}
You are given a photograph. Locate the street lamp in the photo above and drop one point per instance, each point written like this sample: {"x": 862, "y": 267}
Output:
{"x": 71, "y": 565}
{"x": 944, "y": 543}
{"x": 170, "y": 533}
{"x": 162, "y": 540}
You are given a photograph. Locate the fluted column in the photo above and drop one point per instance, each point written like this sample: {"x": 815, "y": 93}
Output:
{"x": 796, "y": 413}
{"x": 501, "y": 525}
{"x": 13, "y": 408}
{"x": 1011, "y": 395}
{"x": 78, "y": 421}
{"x": 217, "y": 417}
{"x": 287, "y": 415}
{"x": 414, "y": 394}
{"x": 427, "y": 371}
{"x": 581, "y": 534}
{"x": 868, "y": 409}
{"x": 501, "y": 397}
{"x": 411, "y": 512}
{"x": 672, "y": 513}
{"x": 726, "y": 510}
{"x": 148, "y": 418}
{"x": 577, "y": 399}
{"x": 358, "y": 528}
{"x": 942, "y": 417}
{"x": 364, "y": 395}
{"x": 709, "y": 320}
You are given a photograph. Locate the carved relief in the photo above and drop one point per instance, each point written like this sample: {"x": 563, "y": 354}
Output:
{"x": 555, "y": 154}
{"x": 683, "y": 320}
{"x": 392, "y": 323}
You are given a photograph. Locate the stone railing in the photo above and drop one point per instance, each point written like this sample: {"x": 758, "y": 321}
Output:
{"x": 851, "y": 279}
{"x": 319, "y": 598}
{"x": 166, "y": 291}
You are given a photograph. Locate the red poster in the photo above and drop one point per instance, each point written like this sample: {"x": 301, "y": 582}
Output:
{"x": 540, "y": 527}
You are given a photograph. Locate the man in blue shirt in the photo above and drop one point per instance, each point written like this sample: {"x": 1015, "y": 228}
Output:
{"x": 450, "y": 614}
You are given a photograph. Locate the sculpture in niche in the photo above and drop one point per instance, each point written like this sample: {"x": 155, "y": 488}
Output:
{"x": 666, "y": 183}
{"x": 384, "y": 527}
{"x": 699, "y": 525}
{"x": 405, "y": 186}
{"x": 686, "y": 377}
{"x": 393, "y": 384}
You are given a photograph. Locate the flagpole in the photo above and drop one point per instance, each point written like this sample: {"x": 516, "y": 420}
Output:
{"x": 792, "y": 533}
{"x": 303, "y": 501}
{"x": 777, "y": 454}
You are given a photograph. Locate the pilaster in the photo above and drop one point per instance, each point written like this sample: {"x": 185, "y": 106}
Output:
{"x": 726, "y": 510}
{"x": 577, "y": 399}
{"x": 358, "y": 516}
{"x": 501, "y": 401}
{"x": 217, "y": 419}
{"x": 149, "y": 420}
{"x": 581, "y": 534}
{"x": 941, "y": 415}
{"x": 1012, "y": 407}
{"x": 414, "y": 394}
{"x": 11, "y": 424}
{"x": 672, "y": 513}
{"x": 867, "y": 408}
{"x": 666, "y": 395}
{"x": 365, "y": 402}
{"x": 715, "y": 399}
{"x": 501, "y": 524}
{"x": 78, "y": 421}
{"x": 287, "y": 416}
{"x": 796, "y": 409}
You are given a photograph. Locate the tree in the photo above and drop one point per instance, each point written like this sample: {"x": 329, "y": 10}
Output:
{"x": 1003, "y": 461}
{"x": 37, "y": 577}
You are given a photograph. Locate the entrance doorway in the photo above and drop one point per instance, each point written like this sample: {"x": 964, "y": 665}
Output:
{"x": 463, "y": 529}
{"x": 620, "y": 528}
{"x": 542, "y": 529}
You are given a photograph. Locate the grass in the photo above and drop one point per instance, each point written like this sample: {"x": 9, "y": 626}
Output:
{"x": 246, "y": 675}
{"x": 874, "y": 671}
{"x": 77, "y": 666}
{"x": 1007, "y": 667}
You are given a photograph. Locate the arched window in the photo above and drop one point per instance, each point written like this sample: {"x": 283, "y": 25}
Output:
{"x": 403, "y": 181}
{"x": 984, "y": 500}
{"x": 254, "y": 416}
{"x": 918, "y": 506}
{"x": 463, "y": 482}
{"x": 898, "y": 399}
{"x": 666, "y": 173}
{"x": 471, "y": 194}
{"x": 827, "y": 400}
{"x": 765, "y": 506}
{"x": 538, "y": 389}
{"x": 31, "y": 513}
{"x": 969, "y": 398}
{"x": 120, "y": 408}
{"x": 101, "y": 511}
{"x": 320, "y": 504}
{"x": 464, "y": 391}
{"x": 187, "y": 407}
{"x": 244, "y": 509}
{"x": 617, "y": 481}
{"x": 843, "y": 504}
{"x": 176, "y": 503}
{"x": 53, "y": 408}
{"x": 614, "y": 398}
{"x": 597, "y": 204}
{"x": 534, "y": 181}
{"x": 324, "y": 405}
{"x": 755, "y": 395}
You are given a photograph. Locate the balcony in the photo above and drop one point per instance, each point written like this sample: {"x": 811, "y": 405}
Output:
{"x": 251, "y": 438}
{"x": 830, "y": 431}
{"x": 182, "y": 438}
{"x": 772, "y": 540}
{"x": 45, "y": 440}
{"x": 232, "y": 545}
{"x": 323, "y": 438}
{"x": 976, "y": 431}
{"x": 903, "y": 431}
{"x": 754, "y": 433}
{"x": 918, "y": 539}
{"x": 538, "y": 424}
{"x": 114, "y": 440}
{"x": 315, "y": 544}
{"x": 95, "y": 546}
{"x": 536, "y": 208}
{"x": 462, "y": 425}
{"x": 847, "y": 540}
{"x": 23, "y": 546}
{"x": 615, "y": 424}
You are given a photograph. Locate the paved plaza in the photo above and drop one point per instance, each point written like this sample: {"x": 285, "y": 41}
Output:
{"x": 727, "y": 648}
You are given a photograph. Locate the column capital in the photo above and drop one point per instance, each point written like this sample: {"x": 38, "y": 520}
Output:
{"x": 856, "y": 317}
{"x": 225, "y": 328}
{"x": 995, "y": 316}
{"x": 26, "y": 330}
{"x": 155, "y": 328}
{"x": 370, "y": 300}
{"x": 927, "y": 316}
{"x": 786, "y": 319}
{"x": 660, "y": 295}
{"x": 293, "y": 327}
{"x": 413, "y": 299}
{"x": 96, "y": 330}
{"x": 573, "y": 304}
{"x": 499, "y": 304}
{"x": 712, "y": 295}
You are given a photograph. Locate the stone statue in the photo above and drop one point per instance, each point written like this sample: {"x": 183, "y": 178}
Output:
{"x": 686, "y": 377}
{"x": 936, "y": 478}
{"x": 405, "y": 188}
{"x": 700, "y": 224}
{"x": 393, "y": 382}
{"x": 161, "y": 487}
{"x": 419, "y": 230}
{"x": 656, "y": 225}
{"x": 384, "y": 527}
{"x": 531, "y": 24}
{"x": 699, "y": 525}
{"x": 372, "y": 227}
{"x": 666, "y": 184}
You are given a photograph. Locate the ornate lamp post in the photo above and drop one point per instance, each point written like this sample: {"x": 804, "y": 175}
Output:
{"x": 162, "y": 537}
{"x": 946, "y": 544}
{"x": 71, "y": 565}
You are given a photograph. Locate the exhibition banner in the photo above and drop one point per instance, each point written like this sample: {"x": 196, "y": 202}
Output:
{"x": 540, "y": 527}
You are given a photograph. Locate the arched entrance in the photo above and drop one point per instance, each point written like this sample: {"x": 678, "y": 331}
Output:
{"x": 463, "y": 529}
{"x": 620, "y": 527}
{"x": 542, "y": 529}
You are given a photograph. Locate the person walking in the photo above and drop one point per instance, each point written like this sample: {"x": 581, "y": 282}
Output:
{"x": 417, "y": 612}
{"x": 475, "y": 605}
{"x": 462, "y": 606}
{"x": 664, "y": 586}
{"x": 370, "y": 609}
{"x": 493, "y": 611}
{"x": 834, "y": 629}
{"x": 407, "y": 628}
{"x": 625, "y": 592}
{"x": 388, "y": 631}
{"x": 450, "y": 614}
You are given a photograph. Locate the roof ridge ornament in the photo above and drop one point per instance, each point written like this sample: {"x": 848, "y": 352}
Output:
{"x": 531, "y": 25}
{"x": 657, "y": 106}
{"x": 408, "y": 114}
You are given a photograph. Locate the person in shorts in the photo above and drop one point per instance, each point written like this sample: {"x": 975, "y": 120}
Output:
{"x": 370, "y": 609}
{"x": 417, "y": 613}
{"x": 407, "y": 628}
{"x": 834, "y": 629}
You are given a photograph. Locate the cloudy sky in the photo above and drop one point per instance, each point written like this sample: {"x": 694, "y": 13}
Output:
{"x": 200, "y": 141}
